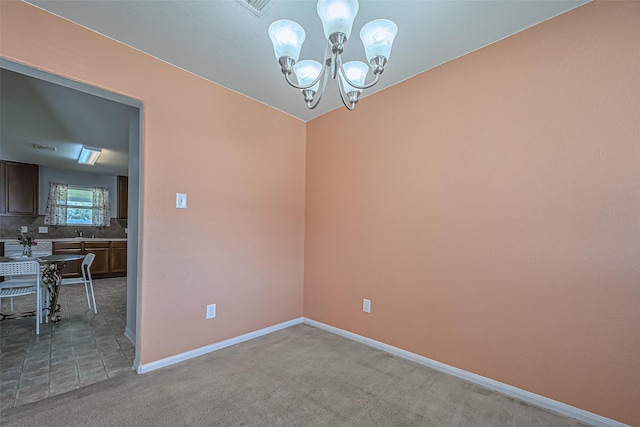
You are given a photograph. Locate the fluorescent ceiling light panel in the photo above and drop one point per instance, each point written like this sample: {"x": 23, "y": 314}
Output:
{"x": 89, "y": 155}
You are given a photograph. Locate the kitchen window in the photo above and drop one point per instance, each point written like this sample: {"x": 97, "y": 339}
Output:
{"x": 75, "y": 205}
{"x": 79, "y": 206}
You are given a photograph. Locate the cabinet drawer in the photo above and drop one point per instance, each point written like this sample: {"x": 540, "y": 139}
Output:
{"x": 119, "y": 244}
{"x": 95, "y": 245}
{"x": 67, "y": 245}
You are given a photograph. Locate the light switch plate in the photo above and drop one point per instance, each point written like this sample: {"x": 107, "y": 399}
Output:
{"x": 181, "y": 201}
{"x": 366, "y": 305}
{"x": 43, "y": 230}
{"x": 211, "y": 311}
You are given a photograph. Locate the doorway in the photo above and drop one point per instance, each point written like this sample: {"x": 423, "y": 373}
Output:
{"x": 135, "y": 179}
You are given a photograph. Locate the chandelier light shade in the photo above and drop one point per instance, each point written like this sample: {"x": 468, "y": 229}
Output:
{"x": 337, "y": 18}
{"x": 356, "y": 72}
{"x": 287, "y": 38}
{"x": 307, "y": 71}
{"x": 377, "y": 37}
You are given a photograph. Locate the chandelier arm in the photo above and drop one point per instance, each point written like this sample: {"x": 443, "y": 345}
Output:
{"x": 286, "y": 77}
{"x": 355, "y": 85}
{"x": 350, "y": 106}
{"x": 336, "y": 62}
{"x": 321, "y": 89}
{"x": 327, "y": 57}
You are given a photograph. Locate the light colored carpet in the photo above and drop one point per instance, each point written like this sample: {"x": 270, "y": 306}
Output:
{"x": 300, "y": 376}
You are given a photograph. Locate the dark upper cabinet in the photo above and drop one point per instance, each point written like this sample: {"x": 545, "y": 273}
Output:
{"x": 18, "y": 188}
{"x": 123, "y": 197}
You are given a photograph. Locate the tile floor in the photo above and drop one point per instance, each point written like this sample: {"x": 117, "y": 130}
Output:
{"x": 82, "y": 349}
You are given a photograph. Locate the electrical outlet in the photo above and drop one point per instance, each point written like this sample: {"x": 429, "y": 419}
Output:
{"x": 211, "y": 311}
{"x": 24, "y": 229}
{"x": 366, "y": 305}
{"x": 43, "y": 230}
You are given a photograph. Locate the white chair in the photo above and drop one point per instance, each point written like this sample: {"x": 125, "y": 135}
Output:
{"x": 19, "y": 281}
{"x": 86, "y": 279}
{"x": 31, "y": 269}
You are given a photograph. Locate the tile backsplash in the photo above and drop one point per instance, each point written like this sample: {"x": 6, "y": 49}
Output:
{"x": 10, "y": 228}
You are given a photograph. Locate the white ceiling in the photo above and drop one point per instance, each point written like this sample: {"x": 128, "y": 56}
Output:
{"x": 38, "y": 112}
{"x": 224, "y": 42}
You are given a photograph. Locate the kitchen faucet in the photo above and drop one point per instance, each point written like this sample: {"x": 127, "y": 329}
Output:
{"x": 79, "y": 233}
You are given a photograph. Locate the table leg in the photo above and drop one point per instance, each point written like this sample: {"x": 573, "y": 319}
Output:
{"x": 52, "y": 278}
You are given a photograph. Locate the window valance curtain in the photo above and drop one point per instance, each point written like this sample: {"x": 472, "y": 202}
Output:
{"x": 58, "y": 205}
{"x": 101, "y": 211}
{"x": 56, "y": 210}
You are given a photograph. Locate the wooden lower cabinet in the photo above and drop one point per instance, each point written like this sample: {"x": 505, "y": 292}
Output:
{"x": 100, "y": 266}
{"x": 118, "y": 257}
{"x": 110, "y": 260}
{"x": 71, "y": 268}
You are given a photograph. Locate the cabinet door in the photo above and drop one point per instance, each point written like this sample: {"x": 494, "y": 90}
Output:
{"x": 19, "y": 187}
{"x": 71, "y": 268}
{"x": 118, "y": 261}
{"x": 100, "y": 264}
{"x": 123, "y": 197}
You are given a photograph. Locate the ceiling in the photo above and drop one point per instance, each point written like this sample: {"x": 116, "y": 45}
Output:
{"x": 226, "y": 43}
{"x": 38, "y": 112}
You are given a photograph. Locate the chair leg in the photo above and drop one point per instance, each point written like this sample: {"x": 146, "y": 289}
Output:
{"x": 86, "y": 288}
{"x": 93, "y": 295}
{"x": 47, "y": 304}
{"x": 44, "y": 305}
{"x": 38, "y": 307}
{"x": 86, "y": 291}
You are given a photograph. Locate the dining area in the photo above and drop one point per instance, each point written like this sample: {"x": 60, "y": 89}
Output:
{"x": 54, "y": 338}
{"x": 41, "y": 277}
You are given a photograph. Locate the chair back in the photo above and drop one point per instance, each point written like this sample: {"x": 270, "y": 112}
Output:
{"x": 88, "y": 260}
{"x": 20, "y": 268}
{"x": 20, "y": 287}
{"x": 86, "y": 267}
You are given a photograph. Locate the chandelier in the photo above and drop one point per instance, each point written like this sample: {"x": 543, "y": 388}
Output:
{"x": 337, "y": 19}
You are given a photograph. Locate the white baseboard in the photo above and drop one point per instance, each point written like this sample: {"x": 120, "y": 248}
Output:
{"x": 523, "y": 395}
{"x": 148, "y": 367}
{"x": 129, "y": 334}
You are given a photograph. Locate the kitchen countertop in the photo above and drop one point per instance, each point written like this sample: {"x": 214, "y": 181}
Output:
{"x": 86, "y": 239}
{"x": 73, "y": 239}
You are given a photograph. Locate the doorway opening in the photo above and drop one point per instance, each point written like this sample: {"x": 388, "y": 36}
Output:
{"x": 129, "y": 286}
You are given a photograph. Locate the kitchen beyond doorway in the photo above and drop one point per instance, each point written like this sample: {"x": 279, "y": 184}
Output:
{"x": 82, "y": 349}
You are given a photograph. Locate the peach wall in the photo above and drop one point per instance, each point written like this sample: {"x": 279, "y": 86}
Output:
{"x": 240, "y": 242}
{"x": 490, "y": 208}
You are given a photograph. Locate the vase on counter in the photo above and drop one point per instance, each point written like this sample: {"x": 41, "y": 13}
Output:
{"x": 27, "y": 251}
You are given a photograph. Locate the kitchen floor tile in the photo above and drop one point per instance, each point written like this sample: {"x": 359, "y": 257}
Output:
{"x": 82, "y": 349}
